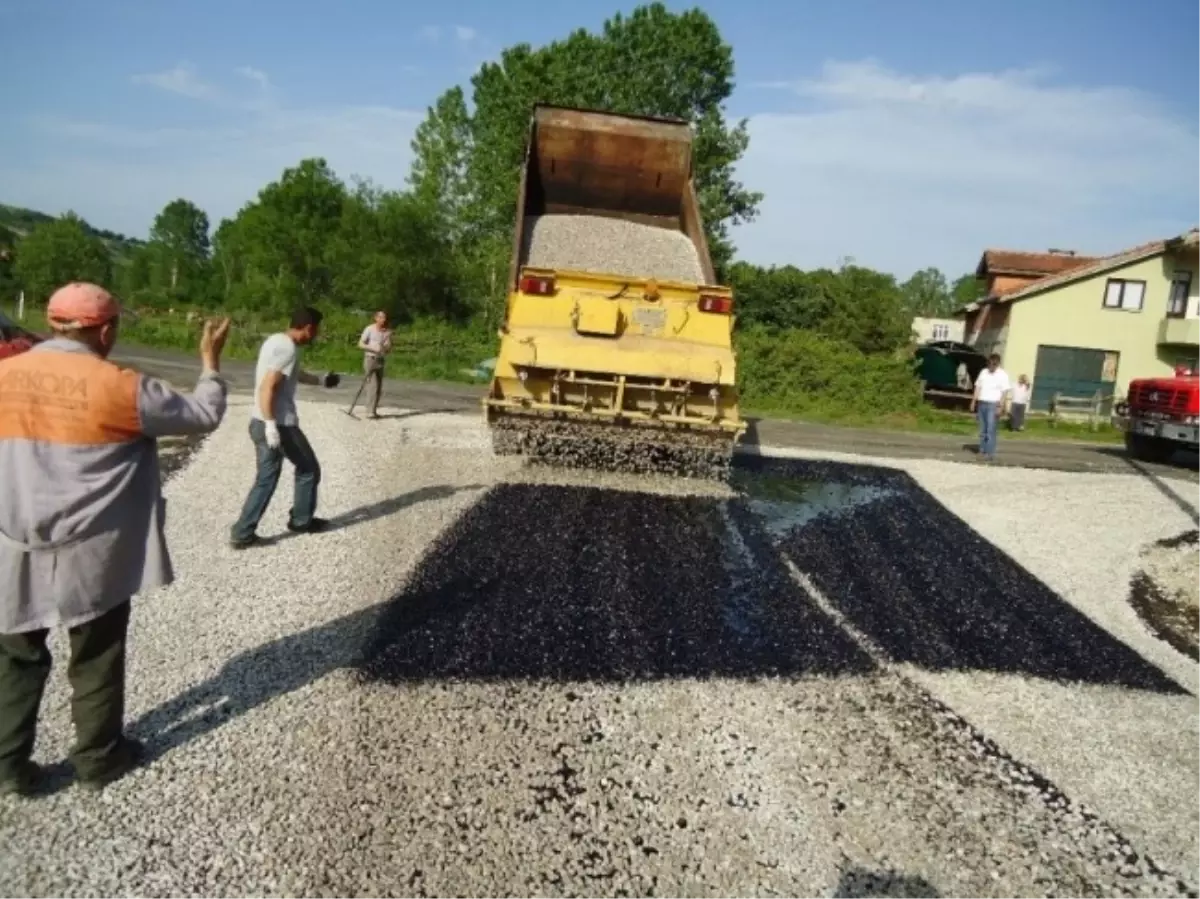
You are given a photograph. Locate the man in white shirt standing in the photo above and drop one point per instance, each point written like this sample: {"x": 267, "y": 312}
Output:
{"x": 992, "y": 389}
{"x": 275, "y": 431}
{"x": 376, "y": 343}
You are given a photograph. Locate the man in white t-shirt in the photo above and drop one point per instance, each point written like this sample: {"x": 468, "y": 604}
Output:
{"x": 992, "y": 389}
{"x": 275, "y": 430}
{"x": 376, "y": 343}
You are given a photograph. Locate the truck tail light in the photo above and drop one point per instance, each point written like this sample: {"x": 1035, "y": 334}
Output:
{"x": 540, "y": 286}
{"x": 719, "y": 305}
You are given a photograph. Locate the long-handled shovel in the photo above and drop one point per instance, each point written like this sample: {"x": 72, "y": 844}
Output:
{"x": 361, "y": 388}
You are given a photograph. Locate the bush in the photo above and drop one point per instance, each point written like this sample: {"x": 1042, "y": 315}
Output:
{"x": 804, "y": 373}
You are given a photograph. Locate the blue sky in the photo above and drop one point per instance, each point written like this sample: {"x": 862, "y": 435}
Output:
{"x": 896, "y": 133}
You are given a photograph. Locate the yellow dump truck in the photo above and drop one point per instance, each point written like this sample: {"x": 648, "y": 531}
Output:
{"x": 616, "y": 347}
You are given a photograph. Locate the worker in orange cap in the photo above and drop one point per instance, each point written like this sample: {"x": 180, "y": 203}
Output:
{"x": 81, "y": 529}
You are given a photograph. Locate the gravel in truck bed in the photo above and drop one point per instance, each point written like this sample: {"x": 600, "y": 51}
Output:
{"x": 479, "y": 683}
{"x": 612, "y": 246}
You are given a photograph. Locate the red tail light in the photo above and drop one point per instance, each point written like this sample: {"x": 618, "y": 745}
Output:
{"x": 538, "y": 286}
{"x": 719, "y": 305}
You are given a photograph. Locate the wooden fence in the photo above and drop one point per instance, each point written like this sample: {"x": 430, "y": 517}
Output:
{"x": 1067, "y": 408}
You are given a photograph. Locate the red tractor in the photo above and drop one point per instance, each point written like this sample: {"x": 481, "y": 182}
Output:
{"x": 15, "y": 339}
{"x": 1162, "y": 415}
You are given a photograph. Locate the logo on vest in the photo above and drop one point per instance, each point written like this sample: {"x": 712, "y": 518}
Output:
{"x": 44, "y": 388}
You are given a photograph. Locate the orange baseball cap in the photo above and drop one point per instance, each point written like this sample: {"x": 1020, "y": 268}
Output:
{"x": 81, "y": 305}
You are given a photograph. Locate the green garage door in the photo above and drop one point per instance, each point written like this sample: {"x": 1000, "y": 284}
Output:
{"x": 1072, "y": 371}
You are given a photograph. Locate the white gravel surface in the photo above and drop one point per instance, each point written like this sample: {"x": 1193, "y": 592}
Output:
{"x": 277, "y": 771}
{"x": 593, "y": 243}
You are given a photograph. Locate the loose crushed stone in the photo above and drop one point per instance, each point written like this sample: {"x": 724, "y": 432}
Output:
{"x": 600, "y": 447}
{"x": 480, "y": 684}
{"x": 611, "y": 246}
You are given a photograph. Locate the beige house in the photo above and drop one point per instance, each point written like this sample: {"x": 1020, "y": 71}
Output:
{"x": 926, "y": 330}
{"x": 1077, "y": 325}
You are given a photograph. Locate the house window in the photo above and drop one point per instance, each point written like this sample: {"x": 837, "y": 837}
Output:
{"x": 941, "y": 332}
{"x": 1126, "y": 295}
{"x": 1177, "y": 302}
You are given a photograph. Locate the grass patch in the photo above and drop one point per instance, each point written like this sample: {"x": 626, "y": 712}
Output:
{"x": 936, "y": 421}
{"x": 422, "y": 351}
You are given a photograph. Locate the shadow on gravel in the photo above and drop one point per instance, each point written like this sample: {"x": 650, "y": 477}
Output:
{"x": 381, "y": 509}
{"x": 1162, "y": 487}
{"x": 568, "y": 584}
{"x": 858, "y": 883}
{"x": 252, "y": 678}
{"x": 930, "y": 591}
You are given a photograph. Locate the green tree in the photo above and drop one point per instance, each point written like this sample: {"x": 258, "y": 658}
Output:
{"x": 57, "y": 252}
{"x": 968, "y": 289}
{"x": 9, "y": 286}
{"x": 441, "y": 148}
{"x": 179, "y": 239}
{"x": 927, "y": 294}
{"x": 389, "y": 253}
{"x": 280, "y": 242}
{"x": 651, "y": 62}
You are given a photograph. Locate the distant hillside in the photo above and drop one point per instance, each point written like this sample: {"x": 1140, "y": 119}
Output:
{"x": 19, "y": 221}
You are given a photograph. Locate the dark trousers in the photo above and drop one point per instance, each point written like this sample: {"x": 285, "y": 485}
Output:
{"x": 294, "y": 447}
{"x": 1016, "y": 417}
{"x": 96, "y": 672}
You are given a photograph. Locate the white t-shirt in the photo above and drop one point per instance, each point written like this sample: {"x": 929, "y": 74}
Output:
{"x": 279, "y": 353}
{"x": 1021, "y": 394}
{"x": 991, "y": 386}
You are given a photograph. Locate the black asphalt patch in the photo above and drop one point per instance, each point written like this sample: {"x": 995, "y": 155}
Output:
{"x": 571, "y": 584}
{"x": 929, "y": 590}
{"x": 1173, "y": 622}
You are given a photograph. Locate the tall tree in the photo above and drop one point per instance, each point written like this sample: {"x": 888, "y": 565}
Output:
{"x": 441, "y": 148}
{"x": 926, "y": 293}
{"x": 57, "y": 252}
{"x": 282, "y": 239}
{"x": 968, "y": 289}
{"x": 651, "y": 62}
{"x": 179, "y": 237}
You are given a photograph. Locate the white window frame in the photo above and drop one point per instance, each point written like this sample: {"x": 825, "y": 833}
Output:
{"x": 941, "y": 332}
{"x": 1177, "y": 297}
{"x": 1115, "y": 294}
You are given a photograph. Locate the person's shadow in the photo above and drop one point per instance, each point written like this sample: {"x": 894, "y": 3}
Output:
{"x": 264, "y": 672}
{"x": 381, "y": 509}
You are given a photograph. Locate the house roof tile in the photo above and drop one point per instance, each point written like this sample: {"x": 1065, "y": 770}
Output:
{"x": 1092, "y": 265}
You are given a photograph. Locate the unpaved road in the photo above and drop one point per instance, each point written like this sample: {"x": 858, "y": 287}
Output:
{"x": 835, "y": 678}
{"x": 439, "y": 397}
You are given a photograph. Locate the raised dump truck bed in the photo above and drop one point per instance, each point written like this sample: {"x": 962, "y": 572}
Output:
{"x": 616, "y": 348}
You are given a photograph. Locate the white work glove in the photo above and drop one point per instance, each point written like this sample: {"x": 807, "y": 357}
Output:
{"x": 272, "y": 434}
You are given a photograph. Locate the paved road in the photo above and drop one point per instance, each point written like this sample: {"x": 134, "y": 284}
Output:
{"x": 441, "y": 397}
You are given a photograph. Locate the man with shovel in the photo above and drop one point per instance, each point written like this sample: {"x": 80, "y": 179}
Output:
{"x": 376, "y": 343}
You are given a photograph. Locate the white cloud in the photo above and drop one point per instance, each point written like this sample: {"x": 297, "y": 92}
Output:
{"x": 120, "y": 177}
{"x": 465, "y": 34}
{"x": 903, "y": 171}
{"x": 181, "y": 80}
{"x": 896, "y": 170}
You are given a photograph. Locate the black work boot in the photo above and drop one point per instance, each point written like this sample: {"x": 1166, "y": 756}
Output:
{"x": 129, "y": 755}
{"x": 314, "y": 526}
{"x": 23, "y": 781}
